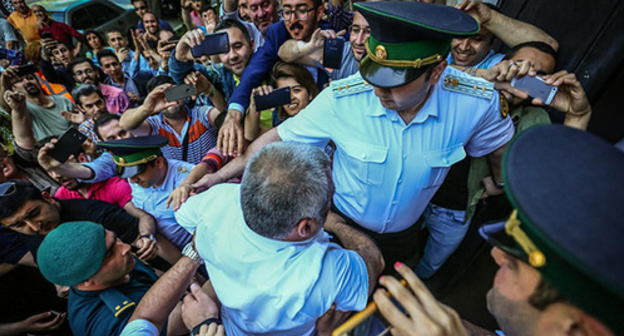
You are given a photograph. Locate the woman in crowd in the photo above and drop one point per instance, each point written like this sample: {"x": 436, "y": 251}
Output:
{"x": 96, "y": 43}
{"x": 302, "y": 90}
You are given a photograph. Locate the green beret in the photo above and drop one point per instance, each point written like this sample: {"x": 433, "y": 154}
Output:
{"x": 72, "y": 253}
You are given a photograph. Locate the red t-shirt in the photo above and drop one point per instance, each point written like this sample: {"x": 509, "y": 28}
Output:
{"x": 61, "y": 32}
{"x": 114, "y": 190}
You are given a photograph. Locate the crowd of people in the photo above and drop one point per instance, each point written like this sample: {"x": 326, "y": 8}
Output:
{"x": 209, "y": 214}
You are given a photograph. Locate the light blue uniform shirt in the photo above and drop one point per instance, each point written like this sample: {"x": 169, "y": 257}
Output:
{"x": 153, "y": 200}
{"x": 269, "y": 286}
{"x": 385, "y": 171}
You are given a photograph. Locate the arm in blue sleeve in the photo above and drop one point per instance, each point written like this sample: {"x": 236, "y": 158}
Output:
{"x": 260, "y": 65}
{"x": 103, "y": 168}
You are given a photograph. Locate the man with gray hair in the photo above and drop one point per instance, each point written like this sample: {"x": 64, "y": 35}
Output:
{"x": 266, "y": 249}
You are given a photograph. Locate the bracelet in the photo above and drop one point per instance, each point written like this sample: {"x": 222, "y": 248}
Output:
{"x": 208, "y": 321}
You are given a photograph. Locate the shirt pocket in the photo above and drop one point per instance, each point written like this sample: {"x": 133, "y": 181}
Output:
{"x": 368, "y": 161}
{"x": 440, "y": 161}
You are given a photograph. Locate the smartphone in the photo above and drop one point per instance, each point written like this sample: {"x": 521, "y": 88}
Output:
{"x": 46, "y": 35}
{"x": 276, "y": 98}
{"x": 213, "y": 44}
{"x": 69, "y": 143}
{"x": 27, "y": 69}
{"x": 180, "y": 92}
{"x": 332, "y": 52}
{"x": 536, "y": 88}
{"x": 173, "y": 41}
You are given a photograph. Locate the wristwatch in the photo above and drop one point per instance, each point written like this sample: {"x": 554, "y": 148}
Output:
{"x": 189, "y": 252}
{"x": 150, "y": 236}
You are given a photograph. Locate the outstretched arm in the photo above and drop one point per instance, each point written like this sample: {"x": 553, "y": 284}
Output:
{"x": 511, "y": 32}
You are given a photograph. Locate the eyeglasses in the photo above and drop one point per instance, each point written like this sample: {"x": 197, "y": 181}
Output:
{"x": 302, "y": 13}
{"x": 357, "y": 29}
{"x": 140, "y": 8}
{"x": 7, "y": 189}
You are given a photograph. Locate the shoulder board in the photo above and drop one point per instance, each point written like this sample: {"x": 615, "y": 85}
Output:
{"x": 472, "y": 86}
{"x": 348, "y": 86}
{"x": 116, "y": 302}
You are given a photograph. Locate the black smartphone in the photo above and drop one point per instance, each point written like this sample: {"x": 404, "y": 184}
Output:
{"x": 173, "y": 41}
{"x": 332, "y": 52}
{"x": 536, "y": 88}
{"x": 213, "y": 44}
{"x": 276, "y": 98}
{"x": 46, "y": 35}
{"x": 69, "y": 143}
{"x": 179, "y": 92}
{"x": 27, "y": 69}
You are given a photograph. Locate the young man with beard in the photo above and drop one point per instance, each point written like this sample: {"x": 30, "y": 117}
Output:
{"x": 220, "y": 80}
{"x": 311, "y": 52}
{"x": 301, "y": 18}
{"x": 85, "y": 72}
{"x": 558, "y": 253}
{"x": 190, "y": 130}
{"x": 45, "y": 111}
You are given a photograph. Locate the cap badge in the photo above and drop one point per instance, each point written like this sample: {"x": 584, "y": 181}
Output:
{"x": 381, "y": 53}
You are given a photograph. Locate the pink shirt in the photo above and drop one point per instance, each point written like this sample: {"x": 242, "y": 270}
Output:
{"x": 114, "y": 190}
{"x": 117, "y": 101}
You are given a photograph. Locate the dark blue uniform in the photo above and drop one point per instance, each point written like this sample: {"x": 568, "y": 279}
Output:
{"x": 106, "y": 312}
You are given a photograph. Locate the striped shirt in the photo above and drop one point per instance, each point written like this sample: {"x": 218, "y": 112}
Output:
{"x": 202, "y": 135}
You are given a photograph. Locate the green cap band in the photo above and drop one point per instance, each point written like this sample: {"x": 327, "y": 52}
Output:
{"x": 137, "y": 158}
{"x": 410, "y": 51}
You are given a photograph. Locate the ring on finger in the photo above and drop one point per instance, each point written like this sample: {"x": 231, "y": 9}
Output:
{"x": 512, "y": 64}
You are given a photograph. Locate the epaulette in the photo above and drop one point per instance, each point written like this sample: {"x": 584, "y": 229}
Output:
{"x": 469, "y": 85}
{"x": 349, "y": 86}
{"x": 116, "y": 302}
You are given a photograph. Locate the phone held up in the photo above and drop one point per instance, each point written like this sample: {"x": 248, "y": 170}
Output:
{"x": 178, "y": 92}
{"x": 332, "y": 52}
{"x": 213, "y": 44}
{"x": 69, "y": 143}
{"x": 536, "y": 88}
{"x": 276, "y": 98}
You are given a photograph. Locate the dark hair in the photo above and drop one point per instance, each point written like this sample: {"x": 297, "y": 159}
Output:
{"x": 545, "y": 295}
{"x": 24, "y": 192}
{"x": 85, "y": 90}
{"x": 206, "y": 8}
{"x": 97, "y": 34}
{"x": 299, "y": 74}
{"x": 80, "y": 60}
{"x": 144, "y": 1}
{"x": 157, "y": 81}
{"x": 114, "y": 30}
{"x": 229, "y": 23}
{"x": 103, "y": 120}
{"x": 541, "y": 46}
{"x": 106, "y": 53}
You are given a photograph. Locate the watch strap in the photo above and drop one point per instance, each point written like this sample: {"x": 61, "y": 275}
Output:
{"x": 208, "y": 321}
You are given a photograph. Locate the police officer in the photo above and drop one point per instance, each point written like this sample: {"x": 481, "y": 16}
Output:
{"x": 152, "y": 178}
{"x": 560, "y": 252}
{"x": 400, "y": 125}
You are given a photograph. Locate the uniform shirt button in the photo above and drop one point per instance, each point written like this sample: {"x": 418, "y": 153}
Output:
{"x": 394, "y": 203}
{"x": 364, "y": 156}
{"x": 387, "y": 222}
{"x": 399, "y": 181}
{"x": 404, "y": 157}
